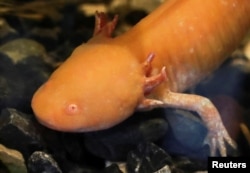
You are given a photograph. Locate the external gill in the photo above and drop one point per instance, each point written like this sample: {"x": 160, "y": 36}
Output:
{"x": 103, "y": 26}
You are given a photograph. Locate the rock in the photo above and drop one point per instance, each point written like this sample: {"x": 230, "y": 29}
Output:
{"x": 186, "y": 135}
{"x": 185, "y": 164}
{"x": 73, "y": 146}
{"x": 165, "y": 169}
{"x": 147, "y": 158}
{"x": 22, "y": 48}
{"x": 13, "y": 160}
{"x": 6, "y": 31}
{"x": 111, "y": 169}
{"x": 6, "y": 66}
{"x": 90, "y": 9}
{"x": 20, "y": 80}
{"x": 9, "y": 77}
{"x": 121, "y": 6}
{"x": 18, "y": 131}
{"x": 244, "y": 144}
{"x": 113, "y": 144}
{"x": 33, "y": 72}
{"x": 3, "y": 168}
{"x": 5, "y": 89}
{"x": 69, "y": 152}
{"x": 147, "y": 5}
{"x": 42, "y": 162}
{"x": 46, "y": 36}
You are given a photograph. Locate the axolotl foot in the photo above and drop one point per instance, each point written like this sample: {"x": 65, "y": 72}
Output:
{"x": 218, "y": 137}
{"x": 217, "y": 134}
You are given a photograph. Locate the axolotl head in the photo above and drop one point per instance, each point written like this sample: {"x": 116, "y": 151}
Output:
{"x": 97, "y": 87}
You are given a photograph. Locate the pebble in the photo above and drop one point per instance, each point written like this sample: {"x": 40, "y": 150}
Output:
{"x": 6, "y": 31}
{"x": 13, "y": 160}
{"x": 245, "y": 143}
{"x": 147, "y": 158}
{"x": 19, "y": 49}
{"x": 147, "y": 5}
{"x": 20, "y": 79}
{"x": 150, "y": 158}
{"x": 186, "y": 135}
{"x": 114, "y": 144}
{"x": 49, "y": 37}
{"x": 18, "y": 131}
{"x": 40, "y": 162}
{"x": 114, "y": 168}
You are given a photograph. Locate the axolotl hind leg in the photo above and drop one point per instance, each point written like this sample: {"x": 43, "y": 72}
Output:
{"x": 217, "y": 133}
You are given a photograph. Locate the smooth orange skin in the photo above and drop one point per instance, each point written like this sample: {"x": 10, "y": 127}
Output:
{"x": 88, "y": 79}
{"x": 104, "y": 78}
{"x": 190, "y": 37}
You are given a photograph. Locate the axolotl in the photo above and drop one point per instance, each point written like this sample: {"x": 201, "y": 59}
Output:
{"x": 173, "y": 48}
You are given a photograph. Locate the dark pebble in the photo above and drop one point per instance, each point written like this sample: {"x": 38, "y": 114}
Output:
{"x": 33, "y": 72}
{"x": 5, "y": 91}
{"x": 74, "y": 20}
{"x": 186, "y": 135}
{"x": 111, "y": 169}
{"x": 244, "y": 137}
{"x": 114, "y": 144}
{"x": 21, "y": 73}
{"x": 18, "y": 131}
{"x": 187, "y": 165}
{"x": 42, "y": 162}
{"x": 6, "y": 66}
{"x": 19, "y": 49}
{"x": 75, "y": 151}
{"x": 49, "y": 37}
{"x": 6, "y": 31}
{"x": 3, "y": 168}
{"x": 69, "y": 152}
{"x": 147, "y": 158}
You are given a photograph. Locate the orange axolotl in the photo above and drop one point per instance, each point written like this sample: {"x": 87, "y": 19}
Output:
{"x": 106, "y": 79}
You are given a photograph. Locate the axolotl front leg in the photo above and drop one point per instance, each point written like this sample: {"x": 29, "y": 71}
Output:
{"x": 217, "y": 134}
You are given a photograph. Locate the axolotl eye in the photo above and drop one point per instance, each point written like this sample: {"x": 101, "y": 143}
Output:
{"x": 72, "y": 109}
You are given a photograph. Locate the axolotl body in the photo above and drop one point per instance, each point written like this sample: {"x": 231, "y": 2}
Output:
{"x": 106, "y": 79}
